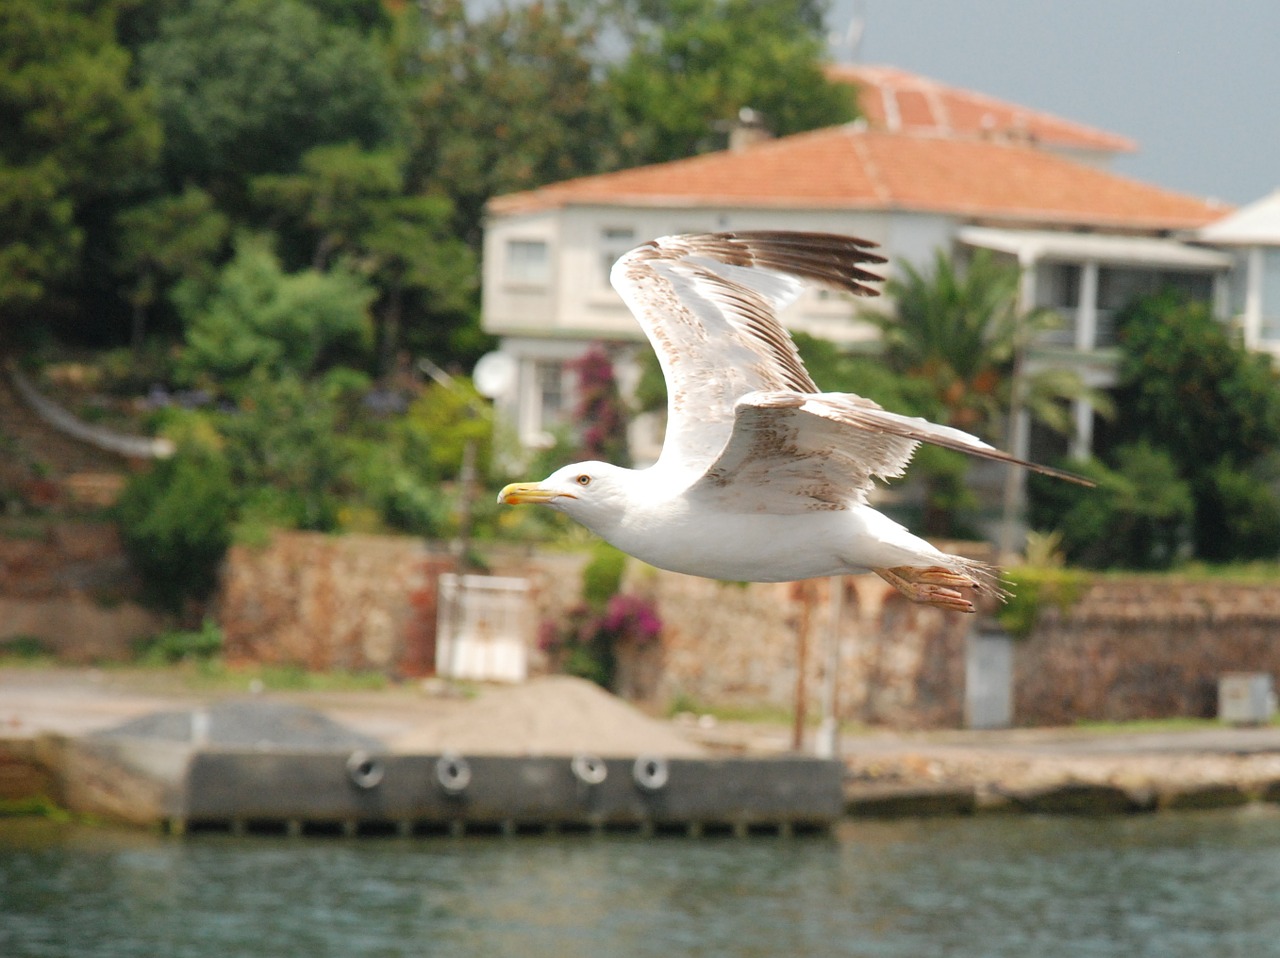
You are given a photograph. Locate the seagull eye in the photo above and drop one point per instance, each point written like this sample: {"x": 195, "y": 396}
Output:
{"x": 583, "y": 480}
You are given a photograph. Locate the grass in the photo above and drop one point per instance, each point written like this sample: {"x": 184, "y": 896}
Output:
{"x": 215, "y": 675}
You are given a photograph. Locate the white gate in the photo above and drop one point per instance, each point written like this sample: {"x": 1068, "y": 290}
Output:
{"x": 482, "y": 628}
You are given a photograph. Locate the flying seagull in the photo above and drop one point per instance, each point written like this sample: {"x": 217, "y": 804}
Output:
{"x": 762, "y": 477}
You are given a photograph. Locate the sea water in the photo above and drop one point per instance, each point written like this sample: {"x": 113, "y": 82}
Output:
{"x": 1165, "y": 885}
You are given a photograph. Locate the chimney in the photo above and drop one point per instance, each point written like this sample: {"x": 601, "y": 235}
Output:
{"x": 748, "y": 130}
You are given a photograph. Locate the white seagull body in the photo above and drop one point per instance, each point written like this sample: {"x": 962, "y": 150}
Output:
{"x": 762, "y": 477}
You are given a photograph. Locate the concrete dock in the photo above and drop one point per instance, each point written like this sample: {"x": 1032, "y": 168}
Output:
{"x": 553, "y": 720}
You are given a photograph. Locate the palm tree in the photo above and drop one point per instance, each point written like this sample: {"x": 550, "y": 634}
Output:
{"x": 960, "y": 334}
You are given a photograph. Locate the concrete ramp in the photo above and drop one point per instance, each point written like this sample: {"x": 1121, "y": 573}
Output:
{"x": 265, "y": 767}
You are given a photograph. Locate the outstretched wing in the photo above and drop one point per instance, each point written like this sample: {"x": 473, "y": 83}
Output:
{"x": 791, "y": 452}
{"x": 709, "y": 305}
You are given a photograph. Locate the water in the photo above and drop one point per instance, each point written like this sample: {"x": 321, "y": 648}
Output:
{"x": 1205, "y": 884}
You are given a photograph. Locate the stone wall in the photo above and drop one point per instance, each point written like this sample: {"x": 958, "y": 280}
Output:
{"x": 729, "y": 644}
{"x": 70, "y": 587}
{"x": 359, "y": 602}
{"x": 1126, "y": 649}
{"x": 369, "y": 602}
{"x": 1144, "y": 648}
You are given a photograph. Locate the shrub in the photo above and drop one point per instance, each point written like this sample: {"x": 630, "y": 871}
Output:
{"x": 167, "y": 648}
{"x": 1138, "y": 517}
{"x": 175, "y": 521}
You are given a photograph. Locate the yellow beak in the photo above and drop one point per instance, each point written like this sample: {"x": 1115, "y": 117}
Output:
{"x": 524, "y": 493}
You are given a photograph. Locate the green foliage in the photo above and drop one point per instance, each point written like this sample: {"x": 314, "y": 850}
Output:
{"x": 244, "y": 87}
{"x": 440, "y": 423}
{"x": 1034, "y": 589}
{"x": 501, "y": 102}
{"x": 1238, "y": 512}
{"x": 169, "y": 238}
{"x": 586, "y": 643}
{"x": 288, "y": 446}
{"x": 694, "y": 64}
{"x": 167, "y": 648}
{"x": 346, "y": 204}
{"x": 958, "y": 333}
{"x": 602, "y": 577}
{"x": 1193, "y": 473}
{"x": 25, "y": 648}
{"x": 259, "y": 318}
{"x": 1138, "y": 517}
{"x": 1189, "y": 385}
{"x": 175, "y": 521}
{"x": 75, "y": 133}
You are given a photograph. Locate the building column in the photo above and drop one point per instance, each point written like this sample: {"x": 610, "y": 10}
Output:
{"x": 1082, "y": 435}
{"x": 1252, "y": 318}
{"x": 1012, "y": 531}
{"x": 1087, "y": 310}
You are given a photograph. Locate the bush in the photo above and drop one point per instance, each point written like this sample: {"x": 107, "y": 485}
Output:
{"x": 1138, "y": 517}
{"x": 1238, "y": 515}
{"x": 168, "y": 648}
{"x": 175, "y": 521}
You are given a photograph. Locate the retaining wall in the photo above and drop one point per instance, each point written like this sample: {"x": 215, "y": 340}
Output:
{"x": 1127, "y": 648}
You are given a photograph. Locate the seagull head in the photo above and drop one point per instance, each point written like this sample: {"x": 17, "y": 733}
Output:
{"x": 593, "y": 493}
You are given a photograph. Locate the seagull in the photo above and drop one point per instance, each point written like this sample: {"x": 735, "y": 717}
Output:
{"x": 762, "y": 476}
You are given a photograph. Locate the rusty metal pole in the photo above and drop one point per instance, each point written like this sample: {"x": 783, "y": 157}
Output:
{"x": 804, "y": 591}
{"x": 827, "y": 742}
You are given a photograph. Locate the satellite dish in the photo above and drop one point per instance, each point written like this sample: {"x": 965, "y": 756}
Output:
{"x": 494, "y": 375}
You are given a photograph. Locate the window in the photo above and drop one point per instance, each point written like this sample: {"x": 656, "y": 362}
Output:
{"x": 528, "y": 262}
{"x": 1058, "y": 288}
{"x": 549, "y": 379}
{"x": 614, "y": 241}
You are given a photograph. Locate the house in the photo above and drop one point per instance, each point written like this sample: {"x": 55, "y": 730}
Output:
{"x": 1253, "y": 236}
{"x": 901, "y": 102}
{"x": 931, "y": 167}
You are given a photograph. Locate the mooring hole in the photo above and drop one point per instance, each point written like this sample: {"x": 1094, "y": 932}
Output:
{"x": 624, "y": 828}
{"x": 718, "y": 830}
{"x": 671, "y": 829}
{"x": 810, "y": 828}
{"x": 532, "y": 828}
{"x": 433, "y": 829}
{"x": 208, "y": 826}
{"x": 377, "y": 828}
{"x": 265, "y": 826}
{"x": 322, "y": 828}
{"x": 485, "y": 828}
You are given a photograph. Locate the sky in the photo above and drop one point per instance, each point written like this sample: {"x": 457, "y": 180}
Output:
{"x": 1195, "y": 82}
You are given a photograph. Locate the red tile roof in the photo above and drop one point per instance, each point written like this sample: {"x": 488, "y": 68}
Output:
{"x": 851, "y": 167}
{"x": 898, "y": 101}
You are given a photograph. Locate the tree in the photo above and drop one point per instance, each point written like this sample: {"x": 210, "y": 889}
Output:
{"x": 74, "y": 132}
{"x": 245, "y": 87}
{"x": 958, "y": 333}
{"x": 347, "y": 205}
{"x": 1189, "y": 387}
{"x": 169, "y": 238}
{"x": 257, "y": 318}
{"x": 175, "y": 521}
{"x": 504, "y": 102}
{"x": 1137, "y": 516}
{"x": 694, "y": 64}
